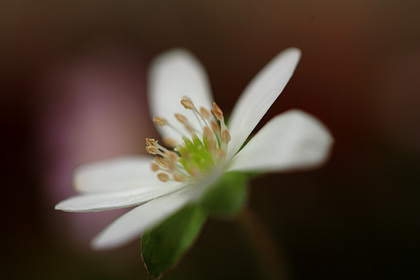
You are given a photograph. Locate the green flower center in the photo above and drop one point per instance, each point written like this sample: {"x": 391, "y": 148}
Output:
{"x": 203, "y": 148}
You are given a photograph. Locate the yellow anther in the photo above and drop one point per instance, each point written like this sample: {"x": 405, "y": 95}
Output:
{"x": 154, "y": 166}
{"x": 152, "y": 150}
{"x": 217, "y": 112}
{"x": 160, "y": 121}
{"x": 181, "y": 118}
{"x": 187, "y": 103}
{"x": 163, "y": 177}
{"x": 183, "y": 161}
{"x": 207, "y": 133}
{"x": 170, "y": 142}
{"x": 209, "y": 136}
{"x": 215, "y": 127}
{"x": 205, "y": 113}
{"x": 172, "y": 158}
{"x": 161, "y": 161}
{"x": 225, "y": 136}
{"x": 179, "y": 178}
{"x": 189, "y": 128}
{"x": 151, "y": 142}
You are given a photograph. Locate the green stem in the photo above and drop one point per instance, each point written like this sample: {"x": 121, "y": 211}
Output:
{"x": 272, "y": 263}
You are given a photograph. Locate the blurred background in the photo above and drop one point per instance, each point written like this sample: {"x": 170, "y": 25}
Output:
{"x": 73, "y": 90}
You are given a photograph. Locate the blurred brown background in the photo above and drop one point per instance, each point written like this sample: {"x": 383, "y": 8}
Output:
{"x": 73, "y": 89}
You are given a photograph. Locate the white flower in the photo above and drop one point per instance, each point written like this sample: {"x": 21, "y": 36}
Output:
{"x": 205, "y": 147}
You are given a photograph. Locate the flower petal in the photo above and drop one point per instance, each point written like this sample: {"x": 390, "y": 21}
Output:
{"x": 259, "y": 95}
{"x": 175, "y": 74}
{"x": 115, "y": 175}
{"x": 293, "y": 140}
{"x": 133, "y": 223}
{"x": 95, "y": 202}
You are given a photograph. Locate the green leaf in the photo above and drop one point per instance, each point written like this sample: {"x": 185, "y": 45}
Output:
{"x": 164, "y": 244}
{"x": 227, "y": 196}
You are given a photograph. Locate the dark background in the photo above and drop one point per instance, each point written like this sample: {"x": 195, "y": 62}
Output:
{"x": 73, "y": 89}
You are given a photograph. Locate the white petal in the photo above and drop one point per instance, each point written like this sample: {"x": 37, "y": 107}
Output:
{"x": 173, "y": 75}
{"x": 259, "y": 95}
{"x": 133, "y": 223}
{"x": 95, "y": 202}
{"x": 115, "y": 175}
{"x": 293, "y": 140}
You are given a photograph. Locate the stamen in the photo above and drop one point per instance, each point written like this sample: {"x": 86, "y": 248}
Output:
{"x": 163, "y": 177}
{"x": 205, "y": 113}
{"x": 199, "y": 117}
{"x": 217, "y": 112}
{"x": 179, "y": 178}
{"x": 207, "y": 133}
{"x": 160, "y": 121}
{"x": 151, "y": 142}
{"x": 215, "y": 127}
{"x": 201, "y": 151}
{"x": 181, "y": 118}
{"x": 161, "y": 147}
{"x": 152, "y": 150}
{"x": 169, "y": 142}
{"x": 189, "y": 128}
{"x": 209, "y": 138}
{"x": 154, "y": 167}
{"x": 187, "y": 103}
{"x": 172, "y": 158}
{"x": 162, "y": 162}
{"x": 216, "y": 130}
{"x": 225, "y": 136}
